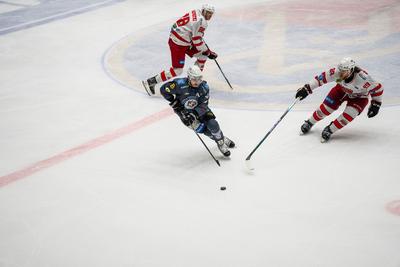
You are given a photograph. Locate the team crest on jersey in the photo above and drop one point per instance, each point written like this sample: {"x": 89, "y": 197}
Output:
{"x": 190, "y": 104}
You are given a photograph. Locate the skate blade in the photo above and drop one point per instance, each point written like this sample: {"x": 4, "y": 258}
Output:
{"x": 324, "y": 140}
{"x": 146, "y": 88}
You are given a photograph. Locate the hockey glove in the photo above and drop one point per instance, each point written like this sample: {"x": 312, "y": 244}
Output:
{"x": 373, "y": 108}
{"x": 176, "y": 106}
{"x": 187, "y": 118}
{"x": 303, "y": 92}
{"x": 210, "y": 54}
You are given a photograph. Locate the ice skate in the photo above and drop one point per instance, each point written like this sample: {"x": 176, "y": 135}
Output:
{"x": 149, "y": 85}
{"x": 229, "y": 142}
{"x": 223, "y": 147}
{"x": 306, "y": 127}
{"x": 326, "y": 134}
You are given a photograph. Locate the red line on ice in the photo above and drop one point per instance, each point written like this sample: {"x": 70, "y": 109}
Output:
{"x": 63, "y": 156}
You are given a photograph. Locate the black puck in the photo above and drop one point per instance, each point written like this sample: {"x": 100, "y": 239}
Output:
{"x": 223, "y": 188}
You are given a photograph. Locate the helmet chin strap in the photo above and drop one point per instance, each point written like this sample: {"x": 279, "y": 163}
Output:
{"x": 191, "y": 83}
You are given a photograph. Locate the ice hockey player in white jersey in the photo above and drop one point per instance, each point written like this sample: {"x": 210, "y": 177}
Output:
{"x": 186, "y": 38}
{"x": 353, "y": 85}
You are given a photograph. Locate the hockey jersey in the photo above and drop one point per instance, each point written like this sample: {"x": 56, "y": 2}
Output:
{"x": 191, "y": 99}
{"x": 360, "y": 85}
{"x": 189, "y": 30}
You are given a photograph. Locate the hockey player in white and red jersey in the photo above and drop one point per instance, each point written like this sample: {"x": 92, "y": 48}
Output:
{"x": 353, "y": 85}
{"x": 186, "y": 38}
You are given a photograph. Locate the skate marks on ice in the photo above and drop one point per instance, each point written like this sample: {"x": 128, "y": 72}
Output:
{"x": 269, "y": 50}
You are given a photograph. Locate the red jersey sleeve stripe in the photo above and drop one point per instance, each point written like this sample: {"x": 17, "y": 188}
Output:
{"x": 196, "y": 38}
{"x": 377, "y": 94}
{"x": 377, "y": 88}
{"x": 199, "y": 44}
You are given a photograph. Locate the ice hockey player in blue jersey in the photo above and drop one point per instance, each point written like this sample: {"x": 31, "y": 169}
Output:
{"x": 189, "y": 99}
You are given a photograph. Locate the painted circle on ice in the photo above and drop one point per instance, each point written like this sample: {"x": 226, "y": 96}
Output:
{"x": 394, "y": 207}
{"x": 269, "y": 50}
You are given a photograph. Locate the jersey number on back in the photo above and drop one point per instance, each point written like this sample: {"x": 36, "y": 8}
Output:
{"x": 184, "y": 20}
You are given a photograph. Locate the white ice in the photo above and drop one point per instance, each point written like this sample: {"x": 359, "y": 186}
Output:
{"x": 151, "y": 196}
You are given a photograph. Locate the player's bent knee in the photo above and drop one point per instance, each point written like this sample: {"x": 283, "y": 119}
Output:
{"x": 213, "y": 125}
{"x": 178, "y": 71}
{"x": 352, "y": 111}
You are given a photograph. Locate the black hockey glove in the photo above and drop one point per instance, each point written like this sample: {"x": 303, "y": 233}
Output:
{"x": 210, "y": 54}
{"x": 176, "y": 106}
{"x": 303, "y": 92}
{"x": 188, "y": 118}
{"x": 373, "y": 108}
{"x": 192, "y": 122}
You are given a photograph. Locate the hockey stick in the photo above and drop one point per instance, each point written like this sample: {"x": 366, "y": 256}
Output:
{"x": 270, "y": 131}
{"x": 226, "y": 79}
{"x": 219, "y": 67}
{"x": 216, "y": 161}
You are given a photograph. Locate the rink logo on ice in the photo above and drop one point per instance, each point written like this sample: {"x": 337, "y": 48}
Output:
{"x": 268, "y": 50}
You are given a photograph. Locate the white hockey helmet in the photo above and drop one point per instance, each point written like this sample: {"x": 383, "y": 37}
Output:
{"x": 346, "y": 64}
{"x": 194, "y": 73}
{"x": 208, "y": 7}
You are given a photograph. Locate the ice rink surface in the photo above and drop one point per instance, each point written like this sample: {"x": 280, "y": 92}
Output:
{"x": 94, "y": 172}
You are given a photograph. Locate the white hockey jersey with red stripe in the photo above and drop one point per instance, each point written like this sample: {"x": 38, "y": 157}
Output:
{"x": 189, "y": 30}
{"x": 360, "y": 86}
